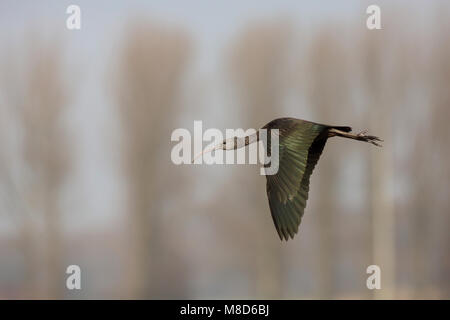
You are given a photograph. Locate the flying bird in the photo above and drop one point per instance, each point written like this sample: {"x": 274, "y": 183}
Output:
{"x": 300, "y": 145}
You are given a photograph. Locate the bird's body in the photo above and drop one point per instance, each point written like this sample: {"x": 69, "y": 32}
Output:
{"x": 301, "y": 143}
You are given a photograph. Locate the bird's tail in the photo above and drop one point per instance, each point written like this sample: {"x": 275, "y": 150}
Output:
{"x": 345, "y": 133}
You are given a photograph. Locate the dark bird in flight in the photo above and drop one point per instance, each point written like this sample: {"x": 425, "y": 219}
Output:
{"x": 300, "y": 145}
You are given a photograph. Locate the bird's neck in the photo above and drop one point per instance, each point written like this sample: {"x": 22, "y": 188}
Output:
{"x": 251, "y": 138}
{"x": 240, "y": 142}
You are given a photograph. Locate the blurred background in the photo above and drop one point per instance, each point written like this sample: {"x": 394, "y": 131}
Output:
{"x": 86, "y": 176}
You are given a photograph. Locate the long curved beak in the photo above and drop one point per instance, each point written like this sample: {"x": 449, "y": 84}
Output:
{"x": 207, "y": 150}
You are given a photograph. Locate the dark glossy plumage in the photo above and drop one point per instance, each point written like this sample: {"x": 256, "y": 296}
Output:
{"x": 301, "y": 143}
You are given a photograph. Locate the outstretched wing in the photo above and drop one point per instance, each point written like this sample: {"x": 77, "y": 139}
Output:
{"x": 300, "y": 147}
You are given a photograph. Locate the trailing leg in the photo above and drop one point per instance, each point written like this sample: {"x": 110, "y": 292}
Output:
{"x": 362, "y": 136}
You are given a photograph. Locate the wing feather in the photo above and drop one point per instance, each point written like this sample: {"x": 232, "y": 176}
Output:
{"x": 300, "y": 146}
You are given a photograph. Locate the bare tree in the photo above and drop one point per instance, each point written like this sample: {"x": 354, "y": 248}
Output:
{"x": 258, "y": 66}
{"x": 150, "y": 69}
{"x": 36, "y": 90}
{"x": 327, "y": 74}
{"x": 432, "y": 206}
{"x": 381, "y": 94}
